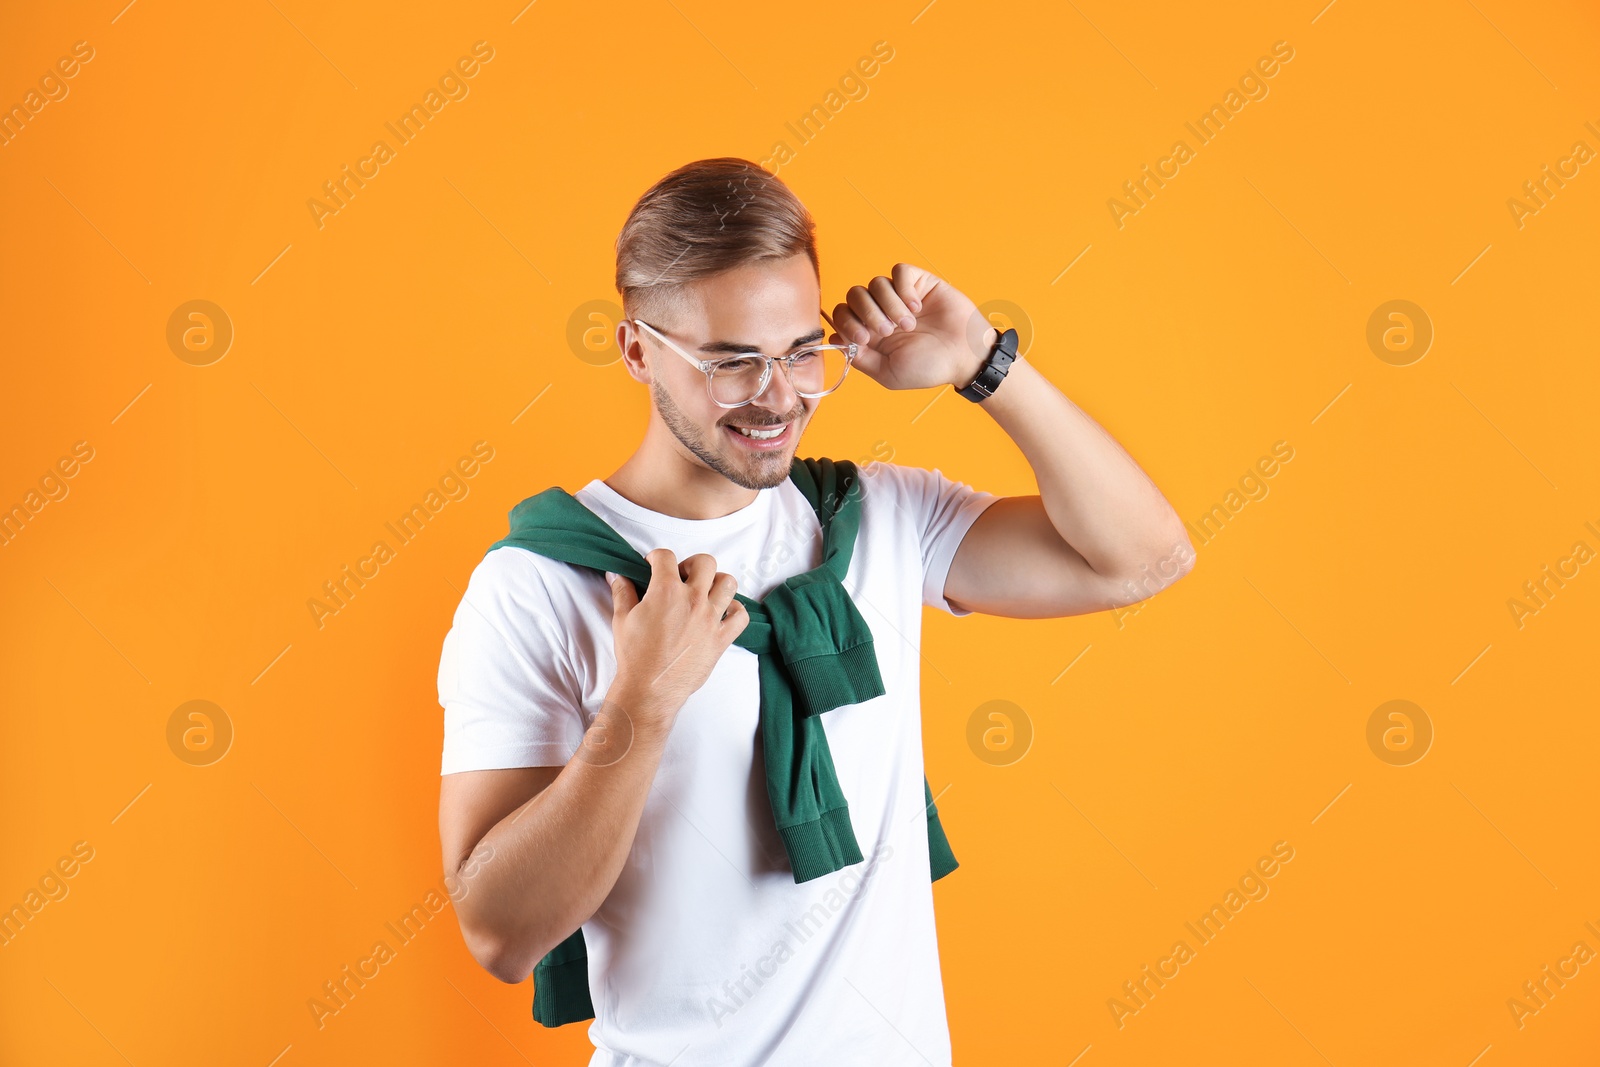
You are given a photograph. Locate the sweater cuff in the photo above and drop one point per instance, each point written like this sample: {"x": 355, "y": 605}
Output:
{"x": 822, "y": 845}
{"x": 561, "y": 984}
{"x": 836, "y": 679}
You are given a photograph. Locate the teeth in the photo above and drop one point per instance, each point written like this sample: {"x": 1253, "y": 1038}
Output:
{"x": 760, "y": 435}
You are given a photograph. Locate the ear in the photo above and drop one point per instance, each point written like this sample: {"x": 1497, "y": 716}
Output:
{"x": 630, "y": 342}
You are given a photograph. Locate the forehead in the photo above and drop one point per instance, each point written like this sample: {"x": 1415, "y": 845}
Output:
{"x": 758, "y": 301}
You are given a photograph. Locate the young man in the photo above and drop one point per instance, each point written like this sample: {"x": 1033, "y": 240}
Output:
{"x": 603, "y": 753}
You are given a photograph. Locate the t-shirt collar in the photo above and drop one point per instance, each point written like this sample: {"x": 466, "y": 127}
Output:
{"x": 757, "y": 509}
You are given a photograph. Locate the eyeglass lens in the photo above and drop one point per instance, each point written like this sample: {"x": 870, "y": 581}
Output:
{"x": 812, "y": 370}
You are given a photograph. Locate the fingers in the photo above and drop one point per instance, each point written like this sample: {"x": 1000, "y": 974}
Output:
{"x": 718, "y": 587}
{"x": 723, "y": 587}
{"x": 849, "y": 327}
{"x": 734, "y": 623}
{"x": 697, "y": 573}
{"x": 663, "y": 566}
{"x": 698, "y": 570}
{"x": 882, "y": 306}
{"x": 664, "y": 569}
{"x": 865, "y": 311}
{"x": 891, "y": 303}
{"x": 624, "y": 596}
{"x": 913, "y": 284}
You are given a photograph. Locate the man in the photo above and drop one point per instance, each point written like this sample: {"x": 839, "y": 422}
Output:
{"x": 602, "y": 764}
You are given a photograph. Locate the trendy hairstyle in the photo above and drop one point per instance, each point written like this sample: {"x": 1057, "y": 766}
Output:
{"x": 704, "y": 218}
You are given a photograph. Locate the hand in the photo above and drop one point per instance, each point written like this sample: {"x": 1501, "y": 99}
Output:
{"x": 917, "y": 330}
{"x": 668, "y": 643}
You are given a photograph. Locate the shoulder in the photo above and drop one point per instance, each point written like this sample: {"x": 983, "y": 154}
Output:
{"x": 510, "y": 579}
{"x": 896, "y": 481}
{"x": 930, "y": 499}
{"x": 898, "y": 478}
{"x": 512, "y": 568}
{"x": 527, "y": 614}
{"x": 893, "y": 495}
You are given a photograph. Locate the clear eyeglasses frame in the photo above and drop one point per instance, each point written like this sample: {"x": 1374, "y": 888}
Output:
{"x": 709, "y": 367}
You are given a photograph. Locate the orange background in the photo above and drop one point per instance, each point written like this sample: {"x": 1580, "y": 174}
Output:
{"x": 1228, "y": 314}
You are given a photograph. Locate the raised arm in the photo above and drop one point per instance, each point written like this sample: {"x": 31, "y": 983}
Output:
{"x": 1099, "y": 534}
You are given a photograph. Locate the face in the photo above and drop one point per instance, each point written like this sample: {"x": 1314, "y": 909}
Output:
{"x": 767, "y": 307}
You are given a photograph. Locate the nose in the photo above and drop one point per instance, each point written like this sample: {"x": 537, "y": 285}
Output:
{"x": 779, "y": 396}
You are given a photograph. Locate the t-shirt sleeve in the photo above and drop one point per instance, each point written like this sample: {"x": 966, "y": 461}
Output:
{"x": 941, "y": 510}
{"x": 506, "y": 682}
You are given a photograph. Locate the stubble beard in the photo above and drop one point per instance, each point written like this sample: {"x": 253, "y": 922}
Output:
{"x": 765, "y": 470}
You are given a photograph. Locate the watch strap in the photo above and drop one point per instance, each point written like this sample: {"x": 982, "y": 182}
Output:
{"x": 994, "y": 369}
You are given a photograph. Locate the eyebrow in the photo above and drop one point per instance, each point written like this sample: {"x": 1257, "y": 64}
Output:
{"x": 736, "y": 348}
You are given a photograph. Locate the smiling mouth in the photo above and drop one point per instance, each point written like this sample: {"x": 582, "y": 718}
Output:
{"x": 762, "y": 436}
{"x": 763, "y": 433}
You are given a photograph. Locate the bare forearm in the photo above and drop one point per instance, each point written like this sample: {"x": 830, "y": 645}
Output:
{"x": 552, "y": 862}
{"x": 1097, "y": 497}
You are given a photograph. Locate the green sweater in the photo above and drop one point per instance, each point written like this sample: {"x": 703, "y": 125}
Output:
{"x": 814, "y": 654}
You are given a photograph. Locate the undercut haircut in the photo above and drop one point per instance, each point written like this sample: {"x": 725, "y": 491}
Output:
{"x": 704, "y": 218}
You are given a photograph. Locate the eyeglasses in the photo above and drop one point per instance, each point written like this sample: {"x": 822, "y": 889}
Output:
{"x": 813, "y": 370}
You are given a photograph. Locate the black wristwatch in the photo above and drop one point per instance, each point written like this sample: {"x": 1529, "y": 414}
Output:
{"x": 994, "y": 369}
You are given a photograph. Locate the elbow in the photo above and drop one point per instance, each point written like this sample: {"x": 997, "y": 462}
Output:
{"x": 1178, "y": 559}
{"x": 1155, "y": 560}
{"x": 1157, "y": 572}
{"x": 510, "y": 963}
{"x": 511, "y": 957}
{"x": 506, "y": 968}
{"x": 510, "y": 966}
{"x": 1187, "y": 562}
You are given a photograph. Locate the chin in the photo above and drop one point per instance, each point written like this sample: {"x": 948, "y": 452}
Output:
{"x": 759, "y": 470}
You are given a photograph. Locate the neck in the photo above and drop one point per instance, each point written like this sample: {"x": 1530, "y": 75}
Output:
{"x": 666, "y": 478}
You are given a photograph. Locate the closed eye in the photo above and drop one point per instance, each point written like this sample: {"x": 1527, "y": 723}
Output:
{"x": 736, "y": 366}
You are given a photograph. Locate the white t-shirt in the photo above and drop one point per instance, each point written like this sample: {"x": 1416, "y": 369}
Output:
{"x": 706, "y": 951}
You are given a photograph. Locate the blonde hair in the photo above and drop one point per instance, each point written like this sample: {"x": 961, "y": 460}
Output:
{"x": 704, "y": 218}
